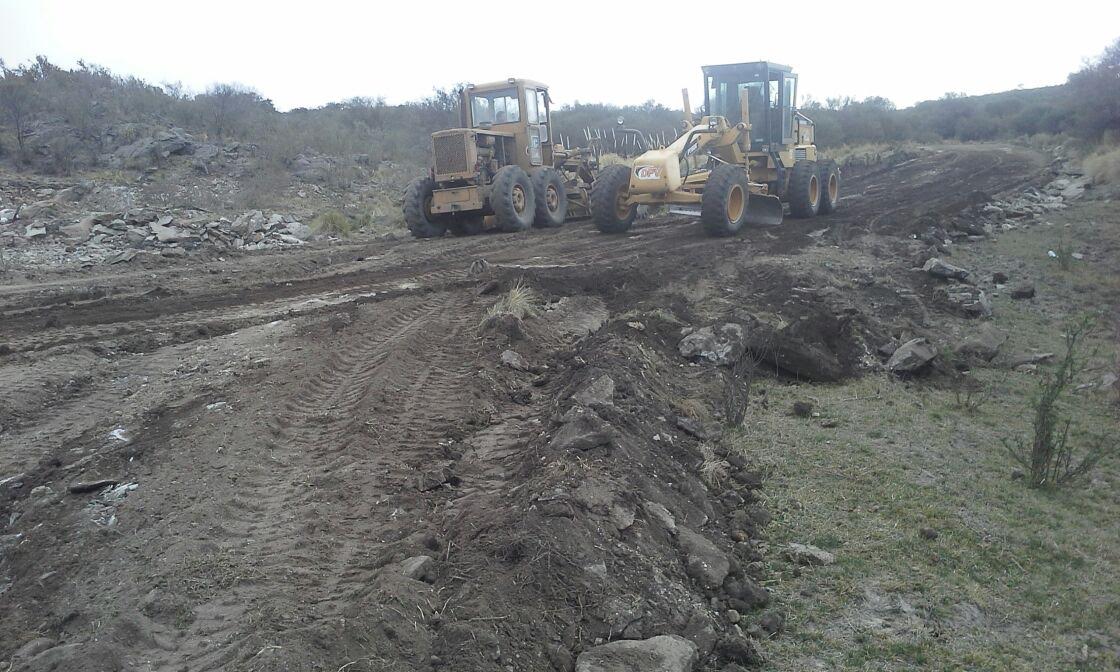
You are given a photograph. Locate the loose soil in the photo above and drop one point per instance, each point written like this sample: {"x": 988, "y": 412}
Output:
{"x": 297, "y": 424}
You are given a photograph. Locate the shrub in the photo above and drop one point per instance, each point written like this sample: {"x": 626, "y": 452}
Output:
{"x": 333, "y": 223}
{"x": 1048, "y": 456}
{"x": 1104, "y": 166}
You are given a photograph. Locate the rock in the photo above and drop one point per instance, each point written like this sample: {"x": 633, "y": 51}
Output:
{"x": 745, "y": 595}
{"x": 70, "y": 194}
{"x": 173, "y": 252}
{"x": 34, "y": 648}
{"x": 661, "y": 517}
{"x": 805, "y": 554}
{"x": 145, "y": 151}
{"x": 34, "y": 231}
{"x": 515, "y": 361}
{"x": 36, "y": 209}
{"x": 582, "y": 432}
{"x": 249, "y": 222}
{"x": 802, "y": 356}
{"x": 420, "y": 568}
{"x": 911, "y": 356}
{"x": 970, "y": 301}
{"x": 90, "y": 486}
{"x": 693, "y": 427}
{"x": 301, "y": 231}
{"x": 722, "y": 345}
{"x": 7, "y": 215}
{"x": 168, "y": 234}
{"x": 928, "y": 533}
{"x": 732, "y": 616}
{"x": 983, "y": 345}
{"x": 1030, "y": 359}
{"x": 771, "y": 622}
{"x": 123, "y": 255}
{"x": 705, "y": 562}
{"x": 940, "y": 269}
{"x": 802, "y": 409}
{"x": 560, "y": 657}
{"x": 1022, "y": 291}
{"x": 664, "y": 653}
{"x": 738, "y": 649}
{"x": 598, "y": 394}
{"x": 999, "y": 278}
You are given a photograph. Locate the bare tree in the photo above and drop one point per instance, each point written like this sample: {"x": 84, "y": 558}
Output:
{"x": 17, "y": 102}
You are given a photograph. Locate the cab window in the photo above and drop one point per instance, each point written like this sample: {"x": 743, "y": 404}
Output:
{"x": 495, "y": 107}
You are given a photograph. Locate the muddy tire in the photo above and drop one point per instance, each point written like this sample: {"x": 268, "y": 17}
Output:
{"x": 723, "y": 207}
{"x": 804, "y": 190}
{"x": 830, "y": 185}
{"x": 607, "y": 195}
{"x": 512, "y": 199}
{"x": 466, "y": 225}
{"x": 552, "y": 198}
{"x": 418, "y": 209}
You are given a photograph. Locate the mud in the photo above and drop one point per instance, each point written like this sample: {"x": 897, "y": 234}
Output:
{"x": 301, "y": 426}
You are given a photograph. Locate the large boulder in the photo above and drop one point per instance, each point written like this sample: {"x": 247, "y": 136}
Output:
{"x": 146, "y": 151}
{"x": 664, "y": 653}
{"x": 911, "y": 356}
{"x": 941, "y": 269}
{"x": 722, "y": 344}
{"x": 705, "y": 562}
{"x": 582, "y": 430}
{"x": 983, "y": 345}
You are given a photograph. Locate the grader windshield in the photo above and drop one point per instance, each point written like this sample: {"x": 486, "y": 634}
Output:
{"x": 771, "y": 92}
{"x": 495, "y": 107}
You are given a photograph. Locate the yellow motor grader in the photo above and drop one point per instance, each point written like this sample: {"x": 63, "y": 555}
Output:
{"x": 751, "y": 152}
{"x": 501, "y": 170}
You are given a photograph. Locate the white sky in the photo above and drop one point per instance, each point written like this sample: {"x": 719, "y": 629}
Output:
{"x": 311, "y": 53}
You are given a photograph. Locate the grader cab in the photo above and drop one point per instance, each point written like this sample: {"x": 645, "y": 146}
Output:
{"x": 501, "y": 169}
{"x": 751, "y": 152}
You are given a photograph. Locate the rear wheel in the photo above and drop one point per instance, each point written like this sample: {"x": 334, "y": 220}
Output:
{"x": 552, "y": 197}
{"x": 609, "y": 193}
{"x": 829, "y": 175}
{"x": 723, "y": 207}
{"x": 804, "y": 189}
{"x": 418, "y": 209}
{"x": 512, "y": 199}
{"x": 466, "y": 225}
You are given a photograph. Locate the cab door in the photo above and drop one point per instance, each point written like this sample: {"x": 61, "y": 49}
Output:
{"x": 536, "y": 120}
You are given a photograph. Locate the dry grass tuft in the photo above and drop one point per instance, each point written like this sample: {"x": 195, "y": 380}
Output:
{"x": 521, "y": 301}
{"x": 714, "y": 469}
{"x": 333, "y": 223}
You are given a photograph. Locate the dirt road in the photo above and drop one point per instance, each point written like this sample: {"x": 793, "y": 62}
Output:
{"x": 315, "y": 460}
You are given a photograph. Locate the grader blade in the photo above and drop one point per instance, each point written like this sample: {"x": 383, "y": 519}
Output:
{"x": 764, "y": 210}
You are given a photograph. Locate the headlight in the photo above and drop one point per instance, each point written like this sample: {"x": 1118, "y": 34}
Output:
{"x": 648, "y": 172}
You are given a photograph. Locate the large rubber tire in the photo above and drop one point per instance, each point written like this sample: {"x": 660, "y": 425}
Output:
{"x": 830, "y": 185}
{"x": 465, "y": 225}
{"x": 418, "y": 209}
{"x": 804, "y": 190}
{"x": 723, "y": 206}
{"x": 607, "y": 195}
{"x": 512, "y": 199}
{"x": 552, "y": 198}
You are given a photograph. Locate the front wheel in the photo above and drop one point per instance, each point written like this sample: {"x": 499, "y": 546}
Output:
{"x": 804, "y": 190}
{"x": 609, "y": 194}
{"x": 552, "y": 198}
{"x": 418, "y": 209}
{"x": 512, "y": 199}
{"x": 829, "y": 175}
{"x": 723, "y": 206}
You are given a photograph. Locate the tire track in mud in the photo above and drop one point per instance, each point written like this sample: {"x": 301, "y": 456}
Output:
{"x": 417, "y": 360}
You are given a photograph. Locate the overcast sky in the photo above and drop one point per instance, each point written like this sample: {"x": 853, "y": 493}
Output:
{"x": 305, "y": 54}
